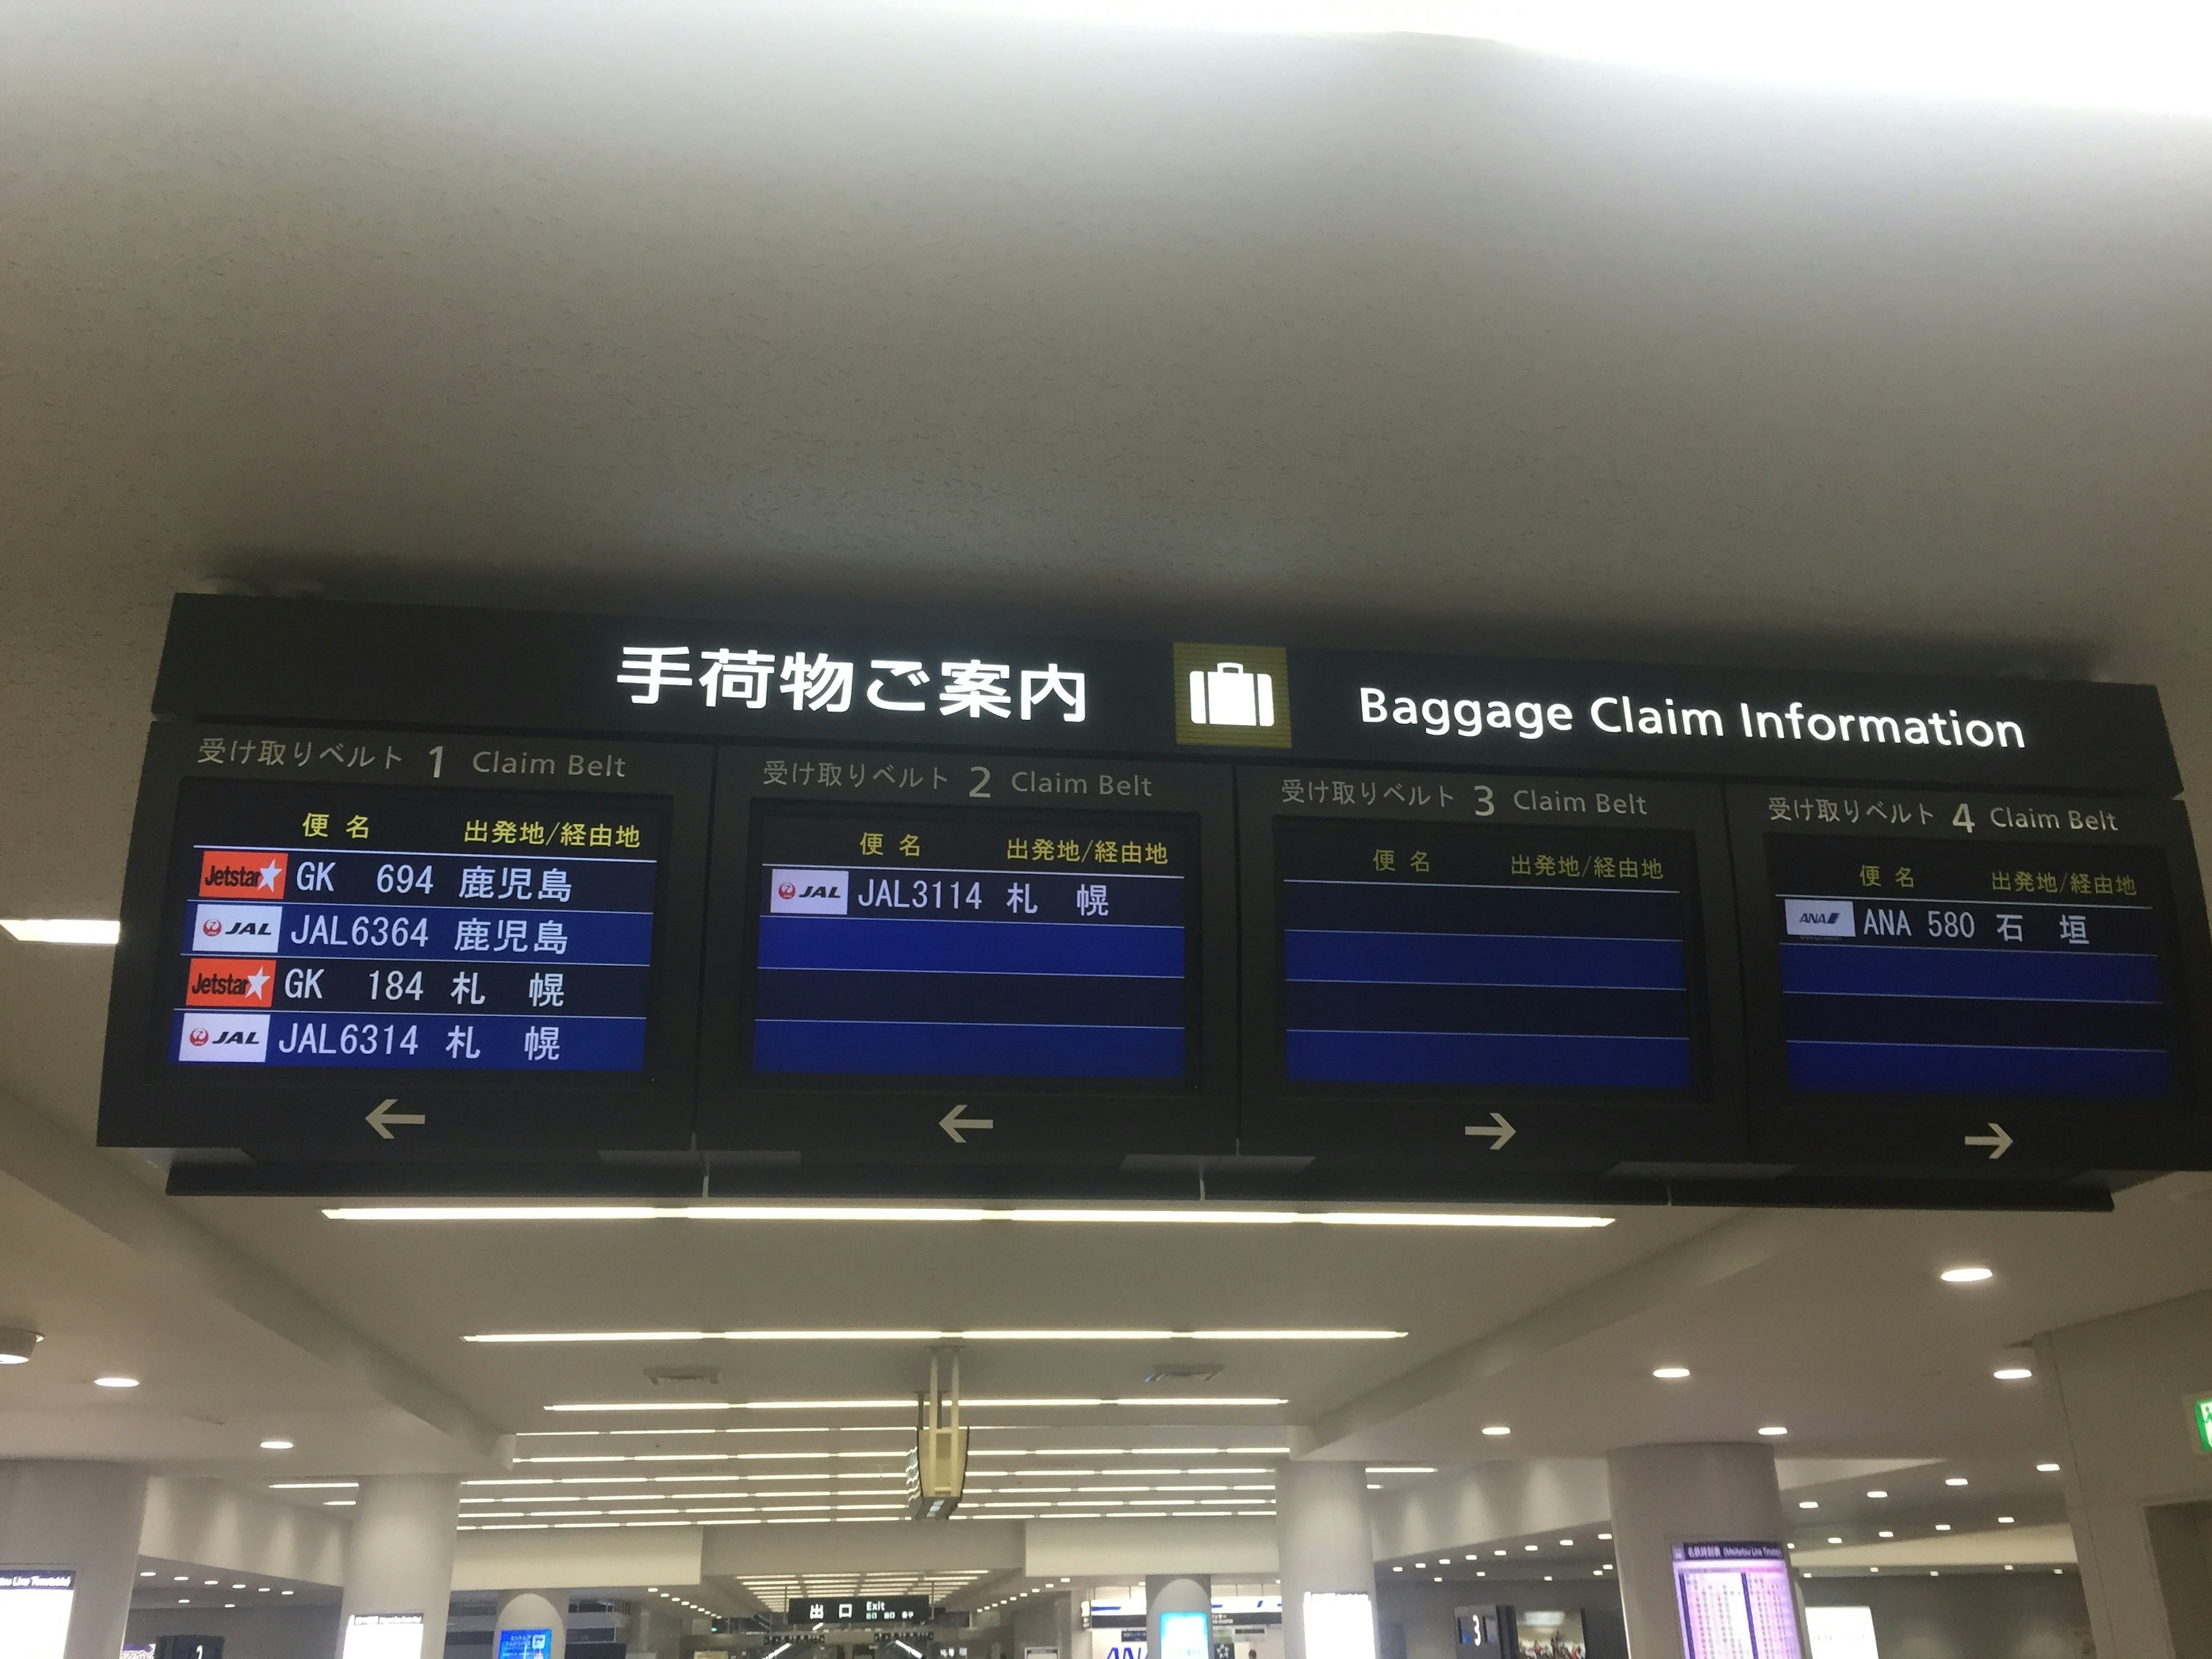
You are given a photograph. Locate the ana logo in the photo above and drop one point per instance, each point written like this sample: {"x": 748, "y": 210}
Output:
{"x": 1819, "y": 918}
{"x": 807, "y": 892}
{"x": 197, "y": 1036}
{"x": 1233, "y": 696}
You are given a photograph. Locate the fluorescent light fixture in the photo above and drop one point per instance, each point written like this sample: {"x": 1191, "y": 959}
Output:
{"x": 1774, "y": 1428}
{"x": 1885, "y": 1534}
{"x": 2012, "y": 1374}
{"x": 1966, "y": 1275}
{"x": 1808, "y": 1504}
{"x": 312, "y": 1486}
{"x": 1671, "y": 1373}
{"x": 2046, "y": 1468}
{"x": 1497, "y": 1429}
{"x": 2122, "y": 54}
{"x": 1400, "y": 1469}
{"x": 1096, "y": 1334}
{"x": 1954, "y": 1479}
{"x": 1211, "y": 1217}
{"x": 114, "y": 1382}
{"x": 2004, "y": 1520}
{"x": 1040, "y": 1403}
{"x": 1878, "y": 1492}
{"x": 275, "y": 1445}
{"x": 54, "y": 930}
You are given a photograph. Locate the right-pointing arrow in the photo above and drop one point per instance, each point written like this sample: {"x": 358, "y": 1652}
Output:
{"x": 1996, "y": 1140}
{"x": 1497, "y": 1129}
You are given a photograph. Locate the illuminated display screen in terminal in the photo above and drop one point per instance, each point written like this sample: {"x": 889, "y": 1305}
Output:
{"x": 2004, "y": 969}
{"x": 336, "y": 926}
{"x": 1468, "y": 956}
{"x": 900, "y": 942}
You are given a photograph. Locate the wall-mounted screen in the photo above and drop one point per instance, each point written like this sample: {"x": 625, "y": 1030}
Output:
{"x": 1497, "y": 971}
{"x": 968, "y": 959}
{"x": 1338, "y": 1625}
{"x": 525, "y": 1644}
{"x": 383, "y": 1636}
{"x": 1185, "y": 1636}
{"x": 988, "y": 944}
{"x": 1992, "y": 968}
{"x": 1736, "y": 1601}
{"x": 1842, "y": 1632}
{"x": 35, "y": 1610}
{"x": 1481, "y": 956}
{"x": 399, "y": 929}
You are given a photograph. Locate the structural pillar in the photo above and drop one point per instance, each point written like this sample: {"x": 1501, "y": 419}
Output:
{"x": 1662, "y": 1496}
{"x": 1178, "y": 1592}
{"x": 84, "y": 1517}
{"x": 401, "y": 1559}
{"x": 533, "y": 1609}
{"x": 1323, "y": 1542}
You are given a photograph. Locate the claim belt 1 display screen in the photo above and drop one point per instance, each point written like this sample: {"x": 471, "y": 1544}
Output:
{"x": 342, "y": 926}
{"x": 909, "y": 943}
{"x": 1443, "y": 954}
{"x": 2004, "y": 969}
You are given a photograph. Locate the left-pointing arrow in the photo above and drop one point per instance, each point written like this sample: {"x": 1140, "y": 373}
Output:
{"x": 382, "y": 1115}
{"x": 952, "y": 1123}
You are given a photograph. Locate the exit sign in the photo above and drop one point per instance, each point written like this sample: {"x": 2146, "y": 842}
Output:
{"x": 2200, "y": 1418}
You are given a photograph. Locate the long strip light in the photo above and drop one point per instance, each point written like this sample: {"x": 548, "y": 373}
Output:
{"x": 1211, "y": 1217}
{"x": 905, "y": 1403}
{"x": 1101, "y": 1335}
{"x": 58, "y": 930}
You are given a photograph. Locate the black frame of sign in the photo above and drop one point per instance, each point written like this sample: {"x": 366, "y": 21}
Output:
{"x": 2049, "y": 1137}
{"x": 901, "y": 1121}
{"x": 1585, "y": 1131}
{"x": 323, "y": 1112}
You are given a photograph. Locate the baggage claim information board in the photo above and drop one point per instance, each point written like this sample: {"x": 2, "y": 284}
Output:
{"x": 1478, "y": 958}
{"x": 989, "y": 935}
{"x": 490, "y": 939}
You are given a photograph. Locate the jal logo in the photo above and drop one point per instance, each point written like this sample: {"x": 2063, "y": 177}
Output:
{"x": 236, "y": 929}
{"x": 232, "y": 874}
{"x": 223, "y": 1039}
{"x": 808, "y": 893}
{"x": 1233, "y": 696}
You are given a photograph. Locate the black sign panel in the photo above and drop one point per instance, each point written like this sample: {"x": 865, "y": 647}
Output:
{"x": 291, "y": 660}
{"x": 1989, "y": 984}
{"x": 969, "y": 960}
{"x": 1488, "y": 971}
{"x": 341, "y": 939}
{"x": 846, "y": 1610}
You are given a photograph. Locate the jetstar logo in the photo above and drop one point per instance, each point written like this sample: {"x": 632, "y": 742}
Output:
{"x": 233, "y": 984}
{"x": 231, "y": 874}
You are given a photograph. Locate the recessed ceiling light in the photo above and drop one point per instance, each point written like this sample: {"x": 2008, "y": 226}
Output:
{"x": 149, "y": 1573}
{"x": 1671, "y": 1373}
{"x": 1807, "y": 1503}
{"x": 1496, "y": 1429}
{"x": 1885, "y": 1534}
{"x": 1568, "y": 1542}
{"x": 1531, "y": 1548}
{"x": 1774, "y": 1428}
{"x": 1954, "y": 1479}
{"x": 1397, "y": 1568}
{"x": 50, "y": 930}
{"x": 114, "y": 1382}
{"x": 1835, "y": 1540}
{"x": 275, "y": 1445}
{"x": 1877, "y": 1492}
{"x": 2013, "y": 1374}
{"x": 1605, "y": 1537}
{"x": 2046, "y": 1468}
{"x": 17, "y": 1344}
{"x": 1966, "y": 1275}
{"x": 2004, "y": 1520}
{"x": 1942, "y": 1525}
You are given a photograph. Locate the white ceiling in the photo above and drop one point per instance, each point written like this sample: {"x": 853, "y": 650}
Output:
{"x": 1381, "y": 341}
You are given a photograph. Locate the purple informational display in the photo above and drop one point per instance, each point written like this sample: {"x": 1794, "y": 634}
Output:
{"x": 1736, "y": 1601}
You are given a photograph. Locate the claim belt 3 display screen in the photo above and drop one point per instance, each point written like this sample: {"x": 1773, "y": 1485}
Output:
{"x": 1466, "y": 955}
{"x": 996, "y": 945}
{"x": 329, "y": 925}
{"x": 2000, "y": 969}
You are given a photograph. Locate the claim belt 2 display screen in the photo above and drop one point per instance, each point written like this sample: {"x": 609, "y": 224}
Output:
{"x": 1484, "y": 956}
{"x": 2002, "y": 968}
{"x": 328, "y": 925}
{"x": 983, "y": 946}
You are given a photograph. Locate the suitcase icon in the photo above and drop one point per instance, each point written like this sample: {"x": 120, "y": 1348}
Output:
{"x": 1226, "y": 695}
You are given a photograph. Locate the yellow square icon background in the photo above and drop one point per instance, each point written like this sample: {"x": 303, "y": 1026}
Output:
{"x": 1253, "y": 660}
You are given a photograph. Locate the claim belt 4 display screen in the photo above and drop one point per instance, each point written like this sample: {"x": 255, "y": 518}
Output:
{"x": 1487, "y": 956}
{"x": 912, "y": 942}
{"x": 2000, "y": 968}
{"x": 327, "y": 925}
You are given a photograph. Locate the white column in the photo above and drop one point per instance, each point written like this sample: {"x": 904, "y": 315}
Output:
{"x": 1176, "y": 1593}
{"x": 1662, "y": 1496}
{"x": 86, "y": 1517}
{"x": 1323, "y": 1540}
{"x": 533, "y": 1609}
{"x": 401, "y": 1557}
